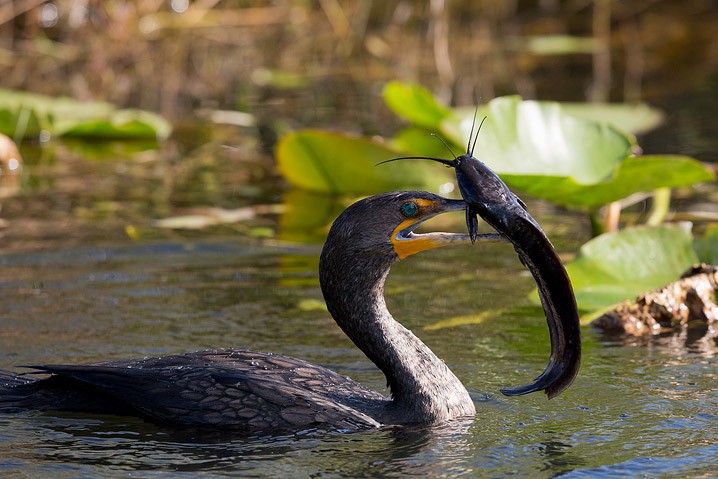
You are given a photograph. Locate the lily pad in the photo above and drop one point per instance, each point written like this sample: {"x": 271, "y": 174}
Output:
{"x": 418, "y": 141}
{"x": 117, "y": 124}
{"x": 574, "y": 155}
{"x": 539, "y": 149}
{"x": 635, "y": 174}
{"x": 335, "y": 163}
{"x": 416, "y": 104}
{"x": 630, "y": 118}
{"x": 536, "y": 138}
{"x": 27, "y": 114}
{"x": 617, "y": 266}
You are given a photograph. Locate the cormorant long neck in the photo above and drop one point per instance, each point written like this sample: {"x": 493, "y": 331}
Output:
{"x": 423, "y": 387}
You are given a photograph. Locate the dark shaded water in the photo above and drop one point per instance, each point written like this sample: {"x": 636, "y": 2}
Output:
{"x": 636, "y": 410}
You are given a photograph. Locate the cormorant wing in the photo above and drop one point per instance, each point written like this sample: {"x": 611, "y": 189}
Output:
{"x": 229, "y": 388}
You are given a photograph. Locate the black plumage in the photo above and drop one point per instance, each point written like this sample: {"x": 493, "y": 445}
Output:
{"x": 249, "y": 390}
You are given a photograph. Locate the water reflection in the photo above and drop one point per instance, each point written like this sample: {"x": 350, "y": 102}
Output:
{"x": 450, "y": 450}
{"x": 697, "y": 338}
{"x": 557, "y": 456}
{"x": 132, "y": 445}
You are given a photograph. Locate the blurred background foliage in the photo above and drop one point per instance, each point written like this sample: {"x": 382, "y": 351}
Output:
{"x": 233, "y": 77}
{"x": 325, "y": 62}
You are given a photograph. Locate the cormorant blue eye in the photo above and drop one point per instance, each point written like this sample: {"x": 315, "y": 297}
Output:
{"x": 409, "y": 209}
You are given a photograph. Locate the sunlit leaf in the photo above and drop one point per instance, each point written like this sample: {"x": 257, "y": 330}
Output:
{"x": 416, "y": 104}
{"x": 539, "y": 149}
{"x": 635, "y": 174}
{"x": 336, "y": 163}
{"x": 630, "y": 118}
{"x": 574, "y": 155}
{"x": 537, "y": 138}
{"x": 618, "y": 266}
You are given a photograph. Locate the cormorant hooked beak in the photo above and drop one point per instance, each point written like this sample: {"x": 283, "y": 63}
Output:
{"x": 418, "y": 210}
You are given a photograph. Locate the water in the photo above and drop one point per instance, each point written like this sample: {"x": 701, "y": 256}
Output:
{"x": 637, "y": 409}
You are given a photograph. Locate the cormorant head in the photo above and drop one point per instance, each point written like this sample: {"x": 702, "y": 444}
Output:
{"x": 382, "y": 226}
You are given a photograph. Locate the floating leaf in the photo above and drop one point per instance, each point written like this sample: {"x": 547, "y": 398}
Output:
{"x": 574, "y": 155}
{"x": 419, "y": 141}
{"x": 635, "y": 174}
{"x": 630, "y": 118}
{"x": 27, "y": 114}
{"x": 416, "y": 104}
{"x": 199, "y": 218}
{"x": 115, "y": 149}
{"x": 618, "y": 266}
{"x": 537, "y": 138}
{"x": 115, "y": 125}
{"x": 539, "y": 149}
{"x": 335, "y": 163}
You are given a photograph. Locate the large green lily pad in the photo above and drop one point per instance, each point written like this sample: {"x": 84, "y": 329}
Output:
{"x": 335, "y": 163}
{"x": 536, "y": 138}
{"x": 634, "y": 174}
{"x": 617, "y": 266}
{"x": 628, "y": 117}
{"x": 577, "y": 155}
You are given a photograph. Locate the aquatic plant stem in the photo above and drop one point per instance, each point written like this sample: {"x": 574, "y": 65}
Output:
{"x": 660, "y": 206}
{"x": 611, "y": 216}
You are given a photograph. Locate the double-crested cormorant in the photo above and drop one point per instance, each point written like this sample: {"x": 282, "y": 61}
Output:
{"x": 261, "y": 391}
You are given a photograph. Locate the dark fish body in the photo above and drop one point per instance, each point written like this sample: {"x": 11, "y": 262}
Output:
{"x": 486, "y": 195}
{"x": 489, "y": 197}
